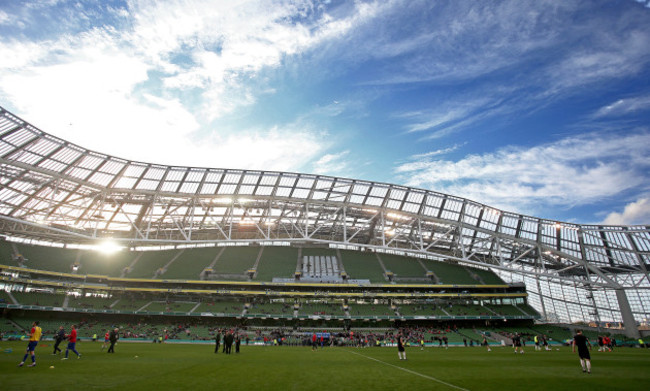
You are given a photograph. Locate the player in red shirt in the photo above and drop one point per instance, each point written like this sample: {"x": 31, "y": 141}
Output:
{"x": 106, "y": 340}
{"x": 72, "y": 342}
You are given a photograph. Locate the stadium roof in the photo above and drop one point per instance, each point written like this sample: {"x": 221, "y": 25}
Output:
{"x": 53, "y": 190}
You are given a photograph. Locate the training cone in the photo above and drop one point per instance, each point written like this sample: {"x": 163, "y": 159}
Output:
{"x": 51, "y": 366}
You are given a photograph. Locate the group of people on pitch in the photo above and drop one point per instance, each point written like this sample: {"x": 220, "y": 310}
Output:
{"x": 36, "y": 333}
{"x": 229, "y": 337}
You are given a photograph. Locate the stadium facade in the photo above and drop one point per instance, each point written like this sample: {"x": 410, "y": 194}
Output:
{"x": 55, "y": 192}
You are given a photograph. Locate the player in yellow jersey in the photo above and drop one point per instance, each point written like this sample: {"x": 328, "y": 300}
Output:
{"x": 34, "y": 337}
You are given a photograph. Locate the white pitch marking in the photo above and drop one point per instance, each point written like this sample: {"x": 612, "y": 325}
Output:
{"x": 410, "y": 371}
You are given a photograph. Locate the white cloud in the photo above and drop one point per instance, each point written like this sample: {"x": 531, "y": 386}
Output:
{"x": 637, "y": 212}
{"x": 4, "y": 17}
{"x": 332, "y": 164}
{"x": 277, "y": 149}
{"x": 160, "y": 81}
{"x": 437, "y": 152}
{"x": 225, "y": 45}
{"x": 624, "y": 106}
{"x": 570, "y": 172}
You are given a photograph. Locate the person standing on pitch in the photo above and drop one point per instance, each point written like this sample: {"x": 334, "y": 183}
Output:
{"x": 217, "y": 341}
{"x": 228, "y": 340}
{"x": 584, "y": 347}
{"x": 516, "y": 342}
{"x": 34, "y": 337}
{"x": 401, "y": 352}
{"x": 113, "y": 337}
{"x": 60, "y": 336}
{"x": 106, "y": 340}
{"x": 72, "y": 342}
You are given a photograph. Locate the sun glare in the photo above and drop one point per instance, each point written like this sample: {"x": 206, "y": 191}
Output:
{"x": 108, "y": 247}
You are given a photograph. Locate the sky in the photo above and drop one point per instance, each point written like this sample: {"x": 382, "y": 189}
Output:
{"x": 534, "y": 107}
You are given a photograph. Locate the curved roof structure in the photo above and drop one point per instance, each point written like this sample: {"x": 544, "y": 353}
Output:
{"x": 52, "y": 190}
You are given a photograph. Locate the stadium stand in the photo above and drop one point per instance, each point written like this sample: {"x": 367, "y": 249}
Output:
{"x": 190, "y": 264}
{"x": 221, "y": 306}
{"x": 47, "y": 258}
{"x": 270, "y": 309}
{"x": 148, "y": 264}
{"x": 4, "y": 297}
{"x": 362, "y": 266}
{"x": 321, "y": 309}
{"x": 277, "y": 262}
{"x": 370, "y": 310}
{"x": 236, "y": 260}
{"x": 93, "y": 262}
{"x": 486, "y": 276}
{"x": 39, "y": 299}
{"x": 7, "y": 253}
{"x": 404, "y": 268}
{"x": 170, "y": 306}
{"x": 421, "y": 309}
{"x": 90, "y": 302}
{"x": 449, "y": 273}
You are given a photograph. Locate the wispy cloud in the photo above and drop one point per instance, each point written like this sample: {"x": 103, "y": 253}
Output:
{"x": 637, "y": 212}
{"x": 437, "y": 152}
{"x": 624, "y": 106}
{"x": 573, "y": 171}
{"x": 333, "y": 164}
{"x": 162, "y": 71}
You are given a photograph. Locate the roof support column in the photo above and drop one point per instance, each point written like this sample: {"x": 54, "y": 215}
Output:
{"x": 626, "y": 313}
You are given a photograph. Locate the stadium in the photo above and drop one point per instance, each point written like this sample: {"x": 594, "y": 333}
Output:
{"x": 175, "y": 253}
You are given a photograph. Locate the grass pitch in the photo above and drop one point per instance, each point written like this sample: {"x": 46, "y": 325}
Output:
{"x": 196, "y": 367}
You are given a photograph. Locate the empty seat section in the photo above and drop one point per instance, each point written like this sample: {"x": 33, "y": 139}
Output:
{"x": 47, "y": 258}
{"x": 449, "y": 273}
{"x": 170, "y": 306}
{"x": 277, "y": 262}
{"x": 270, "y": 309}
{"x": 90, "y": 302}
{"x": 149, "y": 262}
{"x": 370, "y": 310}
{"x": 402, "y": 266}
{"x": 362, "y": 266}
{"x": 93, "y": 262}
{"x": 488, "y": 276}
{"x": 38, "y": 298}
{"x": 221, "y": 306}
{"x": 7, "y": 254}
{"x": 236, "y": 260}
{"x": 190, "y": 264}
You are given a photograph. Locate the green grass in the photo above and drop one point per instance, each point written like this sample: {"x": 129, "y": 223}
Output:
{"x": 196, "y": 367}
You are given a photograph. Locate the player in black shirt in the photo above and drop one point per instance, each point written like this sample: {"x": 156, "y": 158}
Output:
{"x": 516, "y": 342}
{"x": 583, "y": 345}
{"x": 400, "y": 347}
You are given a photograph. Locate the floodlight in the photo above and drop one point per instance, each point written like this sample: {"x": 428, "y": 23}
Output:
{"x": 108, "y": 247}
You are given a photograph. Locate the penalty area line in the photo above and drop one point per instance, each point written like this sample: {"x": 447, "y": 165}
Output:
{"x": 410, "y": 371}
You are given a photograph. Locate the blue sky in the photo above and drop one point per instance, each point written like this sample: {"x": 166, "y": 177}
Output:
{"x": 536, "y": 107}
